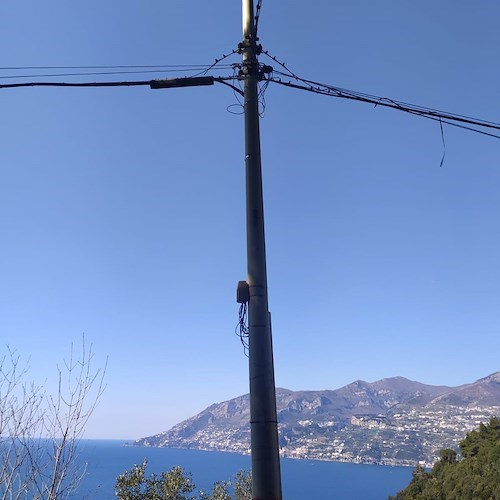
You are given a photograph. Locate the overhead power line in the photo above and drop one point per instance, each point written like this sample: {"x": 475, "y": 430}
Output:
{"x": 447, "y": 118}
{"x": 187, "y": 69}
{"x": 154, "y": 84}
{"x": 268, "y": 75}
{"x": 114, "y": 66}
{"x": 74, "y": 84}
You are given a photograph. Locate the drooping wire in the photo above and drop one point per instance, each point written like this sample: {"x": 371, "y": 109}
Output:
{"x": 444, "y": 143}
{"x": 333, "y": 91}
{"x": 261, "y": 97}
{"x": 236, "y": 90}
{"x": 241, "y": 329}
{"x": 282, "y": 64}
{"x": 384, "y": 101}
{"x": 217, "y": 61}
{"x": 456, "y": 120}
{"x": 453, "y": 119}
{"x": 238, "y": 93}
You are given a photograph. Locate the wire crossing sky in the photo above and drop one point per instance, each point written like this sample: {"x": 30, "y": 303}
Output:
{"x": 122, "y": 209}
{"x": 447, "y": 118}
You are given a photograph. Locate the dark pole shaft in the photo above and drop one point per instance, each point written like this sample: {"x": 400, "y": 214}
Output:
{"x": 266, "y": 476}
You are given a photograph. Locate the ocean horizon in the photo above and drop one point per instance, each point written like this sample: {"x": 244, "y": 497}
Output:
{"x": 301, "y": 479}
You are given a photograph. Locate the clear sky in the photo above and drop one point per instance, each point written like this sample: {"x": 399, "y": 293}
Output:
{"x": 122, "y": 209}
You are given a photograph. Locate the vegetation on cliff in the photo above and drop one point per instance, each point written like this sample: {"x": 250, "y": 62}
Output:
{"x": 476, "y": 475}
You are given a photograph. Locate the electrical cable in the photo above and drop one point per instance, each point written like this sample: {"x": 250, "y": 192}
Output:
{"x": 217, "y": 61}
{"x": 94, "y": 73}
{"x": 76, "y": 84}
{"x": 115, "y": 66}
{"x": 453, "y": 119}
{"x": 384, "y": 101}
{"x": 267, "y": 75}
{"x": 444, "y": 143}
{"x": 429, "y": 113}
{"x": 149, "y": 83}
{"x": 237, "y": 91}
{"x": 241, "y": 329}
{"x": 282, "y": 64}
{"x": 261, "y": 98}
{"x": 256, "y": 20}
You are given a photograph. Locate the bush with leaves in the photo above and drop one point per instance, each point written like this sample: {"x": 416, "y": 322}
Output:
{"x": 172, "y": 485}
{"x": 176, "y": 484}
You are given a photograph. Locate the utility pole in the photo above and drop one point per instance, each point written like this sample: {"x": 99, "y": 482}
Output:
{"x": 266, "y": 475}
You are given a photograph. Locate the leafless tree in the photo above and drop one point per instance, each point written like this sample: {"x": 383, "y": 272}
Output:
{"x": 39, "y": 431}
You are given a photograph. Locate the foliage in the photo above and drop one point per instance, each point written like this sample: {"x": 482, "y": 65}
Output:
{"x": 220, "y": 491}
{"x": 171, "y": 485}
{"x": 39, "y": 432}
{"x": 476, "y": 476}
{"x": 176, "y": 484}
{"x": 130, "y": 485}
{"x": 243, "y": 485}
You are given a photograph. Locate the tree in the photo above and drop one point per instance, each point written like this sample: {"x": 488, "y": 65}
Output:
{"x": 243, "y": 485}
{"x": 130, "y": 485}
{"x": 220, "y": 491}
{"x": 171, "y": 485}
{"x": 175, "y": 484}
{"x": 448, "y": 456}
{"x": 39, "y": 432}
{"x": 476, "y": 476}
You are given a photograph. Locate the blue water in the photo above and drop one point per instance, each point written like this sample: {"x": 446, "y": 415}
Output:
{"x": 302, "y": 479}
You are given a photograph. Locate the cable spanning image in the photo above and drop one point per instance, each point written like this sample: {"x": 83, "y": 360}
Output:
{"x": 267, "y": 75}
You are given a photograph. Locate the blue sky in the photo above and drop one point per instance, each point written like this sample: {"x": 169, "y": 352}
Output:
{"x": 122, "y": 209}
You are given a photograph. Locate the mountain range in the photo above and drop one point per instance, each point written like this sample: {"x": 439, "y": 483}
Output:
{"x": 392, "y": 421}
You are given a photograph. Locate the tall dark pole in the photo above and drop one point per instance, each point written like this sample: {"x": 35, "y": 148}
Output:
{"x": 266, "y": 477}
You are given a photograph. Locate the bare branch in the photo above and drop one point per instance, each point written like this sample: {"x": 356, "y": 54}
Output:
{"x": 39, "y": 432}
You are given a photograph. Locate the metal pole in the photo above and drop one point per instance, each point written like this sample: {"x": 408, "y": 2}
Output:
{"x": 266, "y": 476}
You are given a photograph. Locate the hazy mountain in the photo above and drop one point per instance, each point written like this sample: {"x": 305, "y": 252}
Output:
{"x": 484, "y": 392}
{"x": 393, "y": 420}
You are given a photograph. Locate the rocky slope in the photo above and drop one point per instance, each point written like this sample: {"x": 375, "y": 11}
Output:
{"x": 391, "y": 421}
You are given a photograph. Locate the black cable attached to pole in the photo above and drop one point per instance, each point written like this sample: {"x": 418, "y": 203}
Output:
{"x": 194, "y": 81}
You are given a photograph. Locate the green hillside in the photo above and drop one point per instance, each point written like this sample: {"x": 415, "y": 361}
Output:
{"x": 475, "y": 477}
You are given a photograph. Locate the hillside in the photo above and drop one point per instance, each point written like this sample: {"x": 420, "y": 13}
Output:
{"x": 390, "y": 421}
{"x": 476, "y": 476}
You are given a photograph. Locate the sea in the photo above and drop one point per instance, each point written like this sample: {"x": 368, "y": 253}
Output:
{"x": 301, "y": 479}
